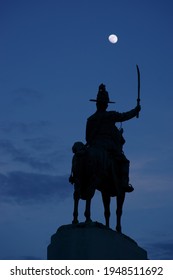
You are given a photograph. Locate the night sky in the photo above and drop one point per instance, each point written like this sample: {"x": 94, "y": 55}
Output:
{"x": 53, "y": 56}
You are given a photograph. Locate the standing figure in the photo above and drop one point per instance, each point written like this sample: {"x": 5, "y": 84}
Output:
{"x": 100, "y": 163}
{"x": 79, "y": 178}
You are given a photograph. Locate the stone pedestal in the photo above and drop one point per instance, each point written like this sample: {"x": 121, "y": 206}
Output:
{"x": 92, "y": 241}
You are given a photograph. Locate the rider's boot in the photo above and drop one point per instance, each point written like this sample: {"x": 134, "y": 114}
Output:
{"x": 129, "y": 188}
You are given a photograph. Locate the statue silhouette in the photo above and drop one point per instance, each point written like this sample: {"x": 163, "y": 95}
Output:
{"x": 101, "y": 163}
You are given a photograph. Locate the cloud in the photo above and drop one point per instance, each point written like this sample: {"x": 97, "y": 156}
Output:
{"x": 29, "y": 258}
{"x": 16, "y": 257}
{"x": 39, "y": 143}
{"x": 7, "y": 147}
{"x": 34, "y": 153}
{"x": 24, "y": 95}
{"x": 38, "y": 164}
{"x": 153, "y": 172}
{"x": 161, "y": 250}
{"x": 22, "y": 187}
{"x": 23, "y": 127}
{"x": 23, "y": 156}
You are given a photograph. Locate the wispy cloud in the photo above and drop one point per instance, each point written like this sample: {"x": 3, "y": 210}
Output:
{"x": 23, "y": 156}
{"x": 161, "y": 250}
{"x": 23, "y": 127}
{"x": 25, "y": 95}
{"x": 16, "y": 257}
{"x": 24, "y": 187}
{"x": 153, "y": 172}
{"x": 39, "y": 143}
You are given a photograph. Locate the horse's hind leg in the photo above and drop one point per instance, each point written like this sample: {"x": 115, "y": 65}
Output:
{"x": 88, "y": 211}
{"x": 120, "y": 201}
{"x": 75, "y": 211}
{"x": 106, "y": 202}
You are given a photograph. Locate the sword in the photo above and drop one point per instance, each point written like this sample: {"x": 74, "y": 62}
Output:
{"x": 138, "y": 98}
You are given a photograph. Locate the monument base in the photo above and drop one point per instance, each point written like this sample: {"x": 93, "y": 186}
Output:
{"x": 92, "y": 241}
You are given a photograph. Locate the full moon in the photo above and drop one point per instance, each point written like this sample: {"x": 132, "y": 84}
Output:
{"x": 113, "y": 38}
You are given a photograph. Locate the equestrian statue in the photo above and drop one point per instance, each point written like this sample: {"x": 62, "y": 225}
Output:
{"x": 100, "y": 164}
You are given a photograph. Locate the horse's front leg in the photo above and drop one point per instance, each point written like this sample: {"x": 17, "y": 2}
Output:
{"x": 120, "y": 201}
{"x": 75, "y": 211}
{"x": 88, "y": 211}
{"x": 106, "y": 202}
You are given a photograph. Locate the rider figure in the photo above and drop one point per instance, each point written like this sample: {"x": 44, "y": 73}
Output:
{"x": 101, "y": 132}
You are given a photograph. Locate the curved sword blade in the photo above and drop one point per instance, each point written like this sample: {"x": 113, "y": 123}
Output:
{"x": 138, "y": 98}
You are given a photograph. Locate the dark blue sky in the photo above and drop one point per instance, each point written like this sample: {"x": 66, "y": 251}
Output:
{"x": 54, "y": 55}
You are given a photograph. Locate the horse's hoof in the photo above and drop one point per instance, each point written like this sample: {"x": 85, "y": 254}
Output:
{"x": 87, "y": 221}
{"x": 74, "y": 222}
{"x": 118, "y": 229}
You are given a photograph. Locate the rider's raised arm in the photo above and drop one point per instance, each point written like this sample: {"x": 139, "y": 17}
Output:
{"x": 121, "y": 117}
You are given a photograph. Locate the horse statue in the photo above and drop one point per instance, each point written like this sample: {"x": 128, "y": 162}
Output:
{"x": 93, "y": 169}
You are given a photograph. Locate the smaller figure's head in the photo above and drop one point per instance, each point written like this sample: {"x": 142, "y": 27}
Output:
{"x": 102, "y": 98}
{"x": 78, "y": 147}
